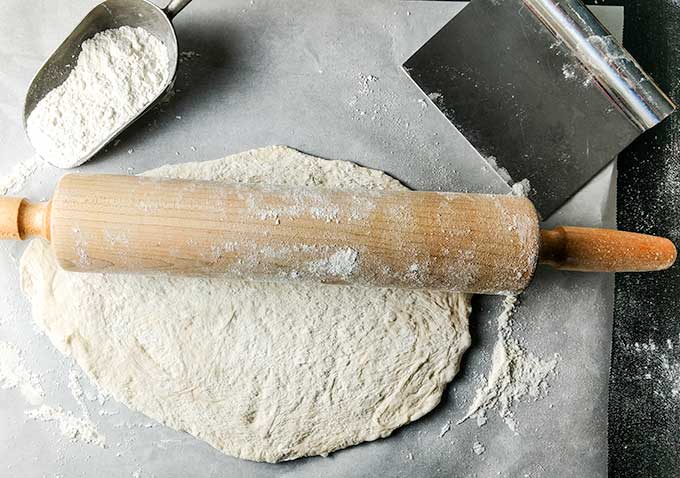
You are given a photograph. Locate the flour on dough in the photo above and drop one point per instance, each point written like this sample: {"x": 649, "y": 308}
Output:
{"x": 262, "y": 371}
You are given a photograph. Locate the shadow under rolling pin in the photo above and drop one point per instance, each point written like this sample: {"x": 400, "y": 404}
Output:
{"x": 464, "y": 242}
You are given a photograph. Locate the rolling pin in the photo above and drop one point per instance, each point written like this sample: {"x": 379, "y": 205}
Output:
{"x": 463, "y": 242}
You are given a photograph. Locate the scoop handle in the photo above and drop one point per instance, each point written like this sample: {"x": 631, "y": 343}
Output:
{"x": 174, "y": 7}
{"x": 604, "y": 250}
{"x": 20, "y": 219}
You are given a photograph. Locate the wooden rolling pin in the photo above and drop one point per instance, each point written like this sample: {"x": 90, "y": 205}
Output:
{"x": 463, "y": 242}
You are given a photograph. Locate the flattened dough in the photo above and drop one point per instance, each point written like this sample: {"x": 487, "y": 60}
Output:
{"x": 262, "y": 371}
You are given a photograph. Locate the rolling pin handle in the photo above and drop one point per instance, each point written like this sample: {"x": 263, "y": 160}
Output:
{"x": 604, "y": 250}
{"x": 21, "y": 219}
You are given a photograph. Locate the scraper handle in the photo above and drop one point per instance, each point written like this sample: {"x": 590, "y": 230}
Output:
{"x": 604, "y": 250}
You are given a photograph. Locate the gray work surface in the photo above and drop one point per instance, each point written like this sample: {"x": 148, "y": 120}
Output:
{"x": 325, "y": 78}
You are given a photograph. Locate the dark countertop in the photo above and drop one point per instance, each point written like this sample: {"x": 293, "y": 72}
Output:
{"x": 644, "y": 395}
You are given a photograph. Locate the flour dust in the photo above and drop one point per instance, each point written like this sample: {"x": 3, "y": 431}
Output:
{"x": 515, "y": 375}
{"x": 659, "y": 367}
{"x": 15, "y": 374}
{"x": 20, "y": 174}
{"x": 77, "y": 429}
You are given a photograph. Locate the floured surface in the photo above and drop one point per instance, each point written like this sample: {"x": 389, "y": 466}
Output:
{"x": 263, "y": 371}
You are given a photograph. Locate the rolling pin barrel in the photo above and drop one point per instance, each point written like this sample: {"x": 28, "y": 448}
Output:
{"x": 464, "y": 242}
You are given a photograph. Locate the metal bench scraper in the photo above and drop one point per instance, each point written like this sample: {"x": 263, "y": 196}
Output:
{"x": 541, "y": 87}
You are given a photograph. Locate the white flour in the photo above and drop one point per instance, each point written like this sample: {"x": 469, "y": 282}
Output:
{"x": 76, "y": 428}
{"x": 658, "y": 366}
{"x": 518, "y": 188}
{"x": 375, "y": 101}
{"x": 521, "y": 188}
{"x": 20, "y": 173}
{"x": 119, "y": 72}
{"x": 445, "y": 429}
{"x": 515, "y": 374}
{"x": 340, "y": 264}
{"x": 14, "y": 374}
{"x": 478, "y": 448}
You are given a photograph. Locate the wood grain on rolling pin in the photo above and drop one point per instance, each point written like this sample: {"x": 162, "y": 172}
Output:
{"x": 437, "y": 240}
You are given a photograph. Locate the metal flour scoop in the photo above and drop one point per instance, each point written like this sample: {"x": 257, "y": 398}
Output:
{"x": 541, "y": 86}
{"x": 108, "y": 15}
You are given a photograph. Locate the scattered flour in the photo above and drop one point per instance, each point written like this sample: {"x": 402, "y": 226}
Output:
{"x": 20, "y": 173}
{"x": 377, "y": 102}
{"x": 366, "y": 82}
{"x": 515, "y": 374}
{"x": 188, "y": 55}
{"x": 569, "y": 72}
{"x": 478, "y": 448}
{"x": 77, "y": 391}
{"x": 502, "y": 172}
{"x": 435, "y": 97}
{"x": 72, "y": 427}
{"x": 481, "y": 418}
{"x": 658, "y": 366}
{"x": 445, "y": 429}
{"x": 119, "y": 72}
{"x": 14, "y": 374}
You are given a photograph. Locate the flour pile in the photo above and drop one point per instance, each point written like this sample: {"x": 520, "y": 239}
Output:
{"x": 515, "y": 374}
{"x": 119, "y": 72}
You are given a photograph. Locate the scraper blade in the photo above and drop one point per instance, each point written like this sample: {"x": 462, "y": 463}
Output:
{"x": 540, "y": 88}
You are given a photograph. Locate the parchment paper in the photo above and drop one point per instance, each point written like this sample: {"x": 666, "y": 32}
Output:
{"x": 323, "y": 77}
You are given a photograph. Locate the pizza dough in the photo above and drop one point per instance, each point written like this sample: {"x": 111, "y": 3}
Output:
{"x": 260, "y": 370}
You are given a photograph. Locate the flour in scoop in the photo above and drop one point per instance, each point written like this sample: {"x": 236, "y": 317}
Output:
{"x": 119, "y": 72}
